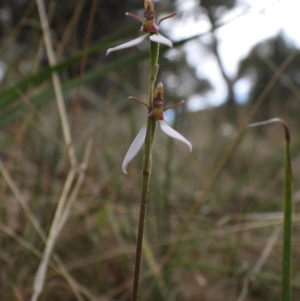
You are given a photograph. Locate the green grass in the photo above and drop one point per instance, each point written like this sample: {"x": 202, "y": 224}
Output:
{"x": 235, "y": 185}
{"x": 99, "y": 237}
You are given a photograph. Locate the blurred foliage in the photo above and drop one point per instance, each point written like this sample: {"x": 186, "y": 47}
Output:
{"x": 216, "y": 7}
{"x": 227, "y": 235}
{"x": 259, "y": 66}
{"x": 109, "y": 16}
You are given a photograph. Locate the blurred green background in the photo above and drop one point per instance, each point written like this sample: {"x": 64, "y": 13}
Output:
{"x": 231, "y": 185}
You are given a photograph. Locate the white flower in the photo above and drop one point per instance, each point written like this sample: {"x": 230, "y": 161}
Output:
{"x": 149, "y": 26}
{"x": 140, "y": 138}
{"x": 158, "y": 38}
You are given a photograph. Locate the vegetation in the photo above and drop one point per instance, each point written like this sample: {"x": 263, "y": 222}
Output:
{"x": 215, "y": 216}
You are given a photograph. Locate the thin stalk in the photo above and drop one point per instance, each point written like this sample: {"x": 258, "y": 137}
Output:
{"x": 77, "y": 102}
{"x": 146, "y": 171}
{"x": 288, "y": 213}
{"x": 56, "y": 82}
{"x": 287, "y": 225}
{"x": 154, "y": 53}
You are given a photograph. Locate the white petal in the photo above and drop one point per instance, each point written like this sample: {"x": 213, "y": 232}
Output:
{"x": 172, "y": 133}
{"x": 128, "y": 44}
{"x": 158, "y": 38}
{"x": 134, "y": 147}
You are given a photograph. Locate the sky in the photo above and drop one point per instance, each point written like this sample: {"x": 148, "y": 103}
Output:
{"x": 251, "y": 22}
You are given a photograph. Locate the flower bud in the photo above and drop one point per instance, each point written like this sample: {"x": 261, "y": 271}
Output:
{"x": 158, "y": 100}
{"x": 148, "y": 4}
{"x": 158, "y": 103}
{"x": 149, "y": 14}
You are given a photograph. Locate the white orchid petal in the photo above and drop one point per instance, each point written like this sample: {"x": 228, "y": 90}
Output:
{"x": 172, "y": 133}
{"x": 128, "y": 44}
{"x": 158, "y": 38}
{"x": 134, "y": 147}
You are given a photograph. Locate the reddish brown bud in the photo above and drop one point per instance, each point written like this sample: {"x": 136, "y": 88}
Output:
{"x": 148, "y": 4}
{"x": 149, "y": 15}
{"x": 158, "y": 100}
{"x": 159, "y": 90}
{"x": 158, "y": 103}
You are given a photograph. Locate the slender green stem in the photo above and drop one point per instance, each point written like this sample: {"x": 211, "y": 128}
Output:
{"x": 146, "y": 172}
{"x": 287, "y": 236}
{"x": 154, "y": 53}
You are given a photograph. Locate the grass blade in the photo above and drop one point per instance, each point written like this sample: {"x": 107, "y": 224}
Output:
{"x": 287, "y": 226}
{"x": 288, "y": 213}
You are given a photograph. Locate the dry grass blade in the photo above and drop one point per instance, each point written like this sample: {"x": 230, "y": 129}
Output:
{"x": 60, "y": 218}
{"x": 20, "y": 240}
{"x": 76, "y": 189}
{"x": 56, "y": 81}
{"x": 67, "y": 33}
{"x": 22, "y": 201}
{"x": 50, "y": 241}
{"x": 60, "y": 269}
{"x": 34, "y": 221}
{"x": 231, "y": 229}
{"x": 260, "y": 262}
{"x": 76, "y": 111}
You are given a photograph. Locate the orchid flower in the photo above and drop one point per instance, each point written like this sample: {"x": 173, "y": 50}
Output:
{"x": 149, "y": 26}
{"x": 158, "y": 115}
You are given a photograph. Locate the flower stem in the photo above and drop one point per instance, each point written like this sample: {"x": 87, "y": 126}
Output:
{"x": 154, "y": 53}
{"x": 146, "y": 172}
